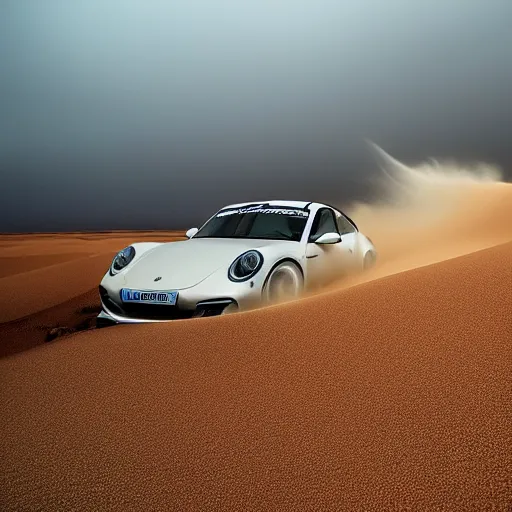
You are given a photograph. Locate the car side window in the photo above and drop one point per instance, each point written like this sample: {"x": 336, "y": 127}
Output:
{"x": 344, "y": 225}
{"x": 324, "y": 222}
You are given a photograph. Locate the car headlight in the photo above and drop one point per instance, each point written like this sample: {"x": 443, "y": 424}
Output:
{"x": 245, "y": 266}
{"x": 122, "y": 259}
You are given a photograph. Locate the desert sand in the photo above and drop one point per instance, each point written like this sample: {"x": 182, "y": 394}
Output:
{"x": 388, "y": 391}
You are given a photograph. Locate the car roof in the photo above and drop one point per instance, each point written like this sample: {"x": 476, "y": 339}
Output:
{"x": 310, "y": 205}
{"x": 274, "y": 202}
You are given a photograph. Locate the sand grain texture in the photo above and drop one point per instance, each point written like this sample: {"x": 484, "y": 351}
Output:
{"x": 395, "y": 395}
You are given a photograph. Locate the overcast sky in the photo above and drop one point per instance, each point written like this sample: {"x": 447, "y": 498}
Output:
{"x": 154, "y": 114}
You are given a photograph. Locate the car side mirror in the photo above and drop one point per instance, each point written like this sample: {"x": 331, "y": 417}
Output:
{"x": 191, "y": 232}
{"x": 328, "y": 238}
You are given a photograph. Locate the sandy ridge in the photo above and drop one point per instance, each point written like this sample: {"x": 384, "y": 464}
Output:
{"x": 373, "y": 404}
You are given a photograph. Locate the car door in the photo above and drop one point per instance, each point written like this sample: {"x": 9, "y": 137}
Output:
{"x": 350, "y": 240}
{"x": 325, "y": 261}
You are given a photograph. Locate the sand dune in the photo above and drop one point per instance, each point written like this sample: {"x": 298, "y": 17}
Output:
{"x": 388, "y": 391}
{"x": 76, "y": 314}
{"x": 12, "y": 265}
{"x": 36, "y": 290}
{"x": 394, "y": 395}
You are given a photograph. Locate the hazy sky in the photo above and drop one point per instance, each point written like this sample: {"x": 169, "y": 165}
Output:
{"x": 153, "y": 114}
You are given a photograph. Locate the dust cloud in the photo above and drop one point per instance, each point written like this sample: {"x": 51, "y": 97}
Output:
{"x": 432, "y": 211}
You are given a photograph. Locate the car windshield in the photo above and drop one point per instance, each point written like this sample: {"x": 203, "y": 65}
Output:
{"x": 263, "y": 222}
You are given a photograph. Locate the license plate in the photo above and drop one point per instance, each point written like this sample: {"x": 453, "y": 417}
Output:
{"x": 149, "y": 297}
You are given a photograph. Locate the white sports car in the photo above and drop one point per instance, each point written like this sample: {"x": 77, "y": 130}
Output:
{"x": 245, "y": 255}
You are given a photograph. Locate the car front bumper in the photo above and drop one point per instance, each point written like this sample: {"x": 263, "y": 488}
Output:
{"x": 149, "y": 315}
{"x": 190, "y": 304}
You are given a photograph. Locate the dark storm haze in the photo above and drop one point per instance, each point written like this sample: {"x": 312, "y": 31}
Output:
{"x": 154, "y": 114}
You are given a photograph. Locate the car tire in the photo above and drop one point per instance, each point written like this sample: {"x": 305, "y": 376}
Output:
{"x": 284, "y": 282}
{"x": 369, "y": 260}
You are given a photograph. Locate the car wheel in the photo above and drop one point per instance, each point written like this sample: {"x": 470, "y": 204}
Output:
{"x": 369, "y": 260}
{"x": 284, "y": 282}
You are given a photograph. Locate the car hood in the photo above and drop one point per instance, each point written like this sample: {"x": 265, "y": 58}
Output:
{"x": 179, "y": 265}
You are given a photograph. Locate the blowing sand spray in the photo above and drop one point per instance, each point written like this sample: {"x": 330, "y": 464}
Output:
{"x": 432, "y": 211}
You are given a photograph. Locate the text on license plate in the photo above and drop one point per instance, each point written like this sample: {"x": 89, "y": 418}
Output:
{"x": 149, "y": 297}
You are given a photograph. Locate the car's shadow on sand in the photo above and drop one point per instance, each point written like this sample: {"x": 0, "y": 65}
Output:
{"x": 51, "y": 324}
{"x": 88, "y": 322}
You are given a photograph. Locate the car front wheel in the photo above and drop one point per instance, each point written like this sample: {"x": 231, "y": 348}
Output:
{"x": 284, "y": 282}
{"x": 369, "y": 260}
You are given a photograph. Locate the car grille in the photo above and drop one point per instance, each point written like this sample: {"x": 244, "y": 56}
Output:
{"x": 156, "y": 312}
